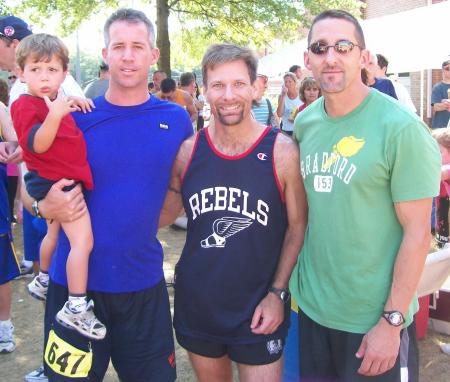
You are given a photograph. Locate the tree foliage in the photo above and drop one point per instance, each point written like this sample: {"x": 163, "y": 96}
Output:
{"x": 255, "y": 23}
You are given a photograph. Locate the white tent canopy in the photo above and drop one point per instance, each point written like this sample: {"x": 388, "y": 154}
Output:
{"x": 412, "y": 41}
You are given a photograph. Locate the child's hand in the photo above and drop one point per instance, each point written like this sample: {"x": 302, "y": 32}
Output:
{"x": 60, "y": 106}
{"x": 82, "y": 104}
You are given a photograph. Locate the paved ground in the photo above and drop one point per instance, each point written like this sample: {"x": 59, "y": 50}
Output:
{"x": 28, "y": 318}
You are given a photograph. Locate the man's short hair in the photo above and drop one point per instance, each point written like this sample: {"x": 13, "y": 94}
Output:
{"x": 159, "y": 71}
{"x": 294, "y": 68}
{"x": 104, "y": 67}
{"x": 341, "y": 15}
{"x": 41, "y": 47}
{"x": 382, "y": 61}
{"x": 186, "y": 79}
{"x": 131, "y": 16}
{"x": 445, "y": 63}
{"x": 168, "y": 85}
{"x": 13, "y": 28}
{"x": 223, "y": 53}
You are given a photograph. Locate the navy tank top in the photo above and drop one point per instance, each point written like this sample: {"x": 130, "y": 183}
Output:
{"x": 236, "y": 225}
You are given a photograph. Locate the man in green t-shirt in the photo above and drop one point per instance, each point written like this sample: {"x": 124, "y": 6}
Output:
{"x": 370, "y": 169}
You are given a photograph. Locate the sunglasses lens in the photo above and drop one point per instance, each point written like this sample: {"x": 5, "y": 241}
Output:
{"x": 318, "y": 48}
{"x": 343, "y": 47}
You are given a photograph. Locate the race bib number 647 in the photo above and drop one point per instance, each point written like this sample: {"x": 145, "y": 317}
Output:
{"x": 66, "y": 359}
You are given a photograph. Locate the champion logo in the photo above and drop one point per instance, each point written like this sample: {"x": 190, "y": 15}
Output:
{"x": 274, "y": 346}
{"x": 8, "y": 31}
{"x": 163, "y": 126}
{"x": 262, "y": 156}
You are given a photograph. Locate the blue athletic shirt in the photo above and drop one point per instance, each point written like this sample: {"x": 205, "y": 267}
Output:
{"x": 131, "y": 150}
{"x": 236, "y": 225}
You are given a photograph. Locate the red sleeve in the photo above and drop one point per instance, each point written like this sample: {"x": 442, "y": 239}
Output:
{"x": 25, "y": 115}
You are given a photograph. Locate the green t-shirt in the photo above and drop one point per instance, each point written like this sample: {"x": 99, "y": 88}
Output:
{"x": 355, "y": 168}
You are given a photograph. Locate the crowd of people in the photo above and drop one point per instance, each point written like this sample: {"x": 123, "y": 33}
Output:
{"x": 279, "y": 200}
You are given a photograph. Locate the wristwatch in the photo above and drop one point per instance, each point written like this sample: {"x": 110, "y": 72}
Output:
{"x": 35, "y": 209}
{"x": 283, "y": 294}
{"x": 394, "y": 317}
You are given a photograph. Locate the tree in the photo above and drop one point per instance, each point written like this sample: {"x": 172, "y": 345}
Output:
{"x": 245, "y": 22}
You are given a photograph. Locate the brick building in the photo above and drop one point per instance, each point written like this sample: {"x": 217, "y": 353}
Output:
{"x": 378, "y": 8}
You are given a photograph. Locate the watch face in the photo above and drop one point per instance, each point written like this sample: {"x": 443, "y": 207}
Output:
{"x": 396, "y": 318}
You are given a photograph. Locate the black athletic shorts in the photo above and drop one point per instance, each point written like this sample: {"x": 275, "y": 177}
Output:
{"x": 139, "y": 339}
{"x": 260, "y": 353}
{"x": 329, "y": 355}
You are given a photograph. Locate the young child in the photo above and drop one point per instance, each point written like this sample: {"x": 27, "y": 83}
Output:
{"x": 54, "y": 148}
{"x": 442, "y": 137}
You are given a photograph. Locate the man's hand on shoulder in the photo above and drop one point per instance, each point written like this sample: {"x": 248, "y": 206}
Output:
{"x": 379, "y": 349}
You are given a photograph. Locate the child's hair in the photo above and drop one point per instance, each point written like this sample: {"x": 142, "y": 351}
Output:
{"x": 442, "y": 137}
{"x": 41, "y": 47}
{"x": 308, "y": 82}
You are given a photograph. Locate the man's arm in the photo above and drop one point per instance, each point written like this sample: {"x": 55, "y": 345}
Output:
{"x": 268, "y": 314}
{"x": 58, "y": 204}
{"x": 173, "y": 203}
{"x": 441, "y": 106}
{"x": 380, "y": 346}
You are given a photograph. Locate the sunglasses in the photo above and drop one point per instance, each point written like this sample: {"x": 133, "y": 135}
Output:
{"x": 341, "y": 47}
{"x": 12, "y": 78}
{"x": 446, "y": 68}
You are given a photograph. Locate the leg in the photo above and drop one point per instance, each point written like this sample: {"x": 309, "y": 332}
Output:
{"x": 314, "y": 351}
{"x": 79, "y": 233}
{"x": 211, "y": 369}
{"x": 261, "y": 373}
{"x": 5, "y": 301}
{"x": 141, "y": 332}
{"x": 56, "y": 297}
{"x": 48, "y": 245}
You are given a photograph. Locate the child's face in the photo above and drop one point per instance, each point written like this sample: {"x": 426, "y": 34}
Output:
{"x": 445, "y": 153}
{"x": 311, "y": 94}
{"x": 43, "y": 78}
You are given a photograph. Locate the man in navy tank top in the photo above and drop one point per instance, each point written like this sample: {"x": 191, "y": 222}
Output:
{"x": 239, "y": 183}
{"x": 132, "y": 141}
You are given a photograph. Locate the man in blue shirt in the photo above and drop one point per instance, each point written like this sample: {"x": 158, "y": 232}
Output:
{"x": 132, "y": 139}
{"x": 381, "y": 84}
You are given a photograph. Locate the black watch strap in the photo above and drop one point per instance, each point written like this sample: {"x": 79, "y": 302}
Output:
{"x": 394, "y": 317}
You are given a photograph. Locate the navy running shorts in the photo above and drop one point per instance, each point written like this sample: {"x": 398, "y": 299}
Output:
{"x": 9, "y": 265}
{"x": 260, "y": 353}
{"x": 139, "y": 339}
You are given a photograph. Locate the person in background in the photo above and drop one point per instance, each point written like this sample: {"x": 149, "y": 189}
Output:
{"x": 288, "y": 102}
{"x": 402, "y": 93}
{"x": 440, "y": 98}
{"x": 309, "y": 92}
{"x": 297, "y": 70}
{"x": 98, "y": 87}
{"x": 158, "y": 76}
{"x": 442, "y": 136}
{"x": 381, "y": 84}
{"x": 169, "y": 92}
{"x": 262, "y": 108}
